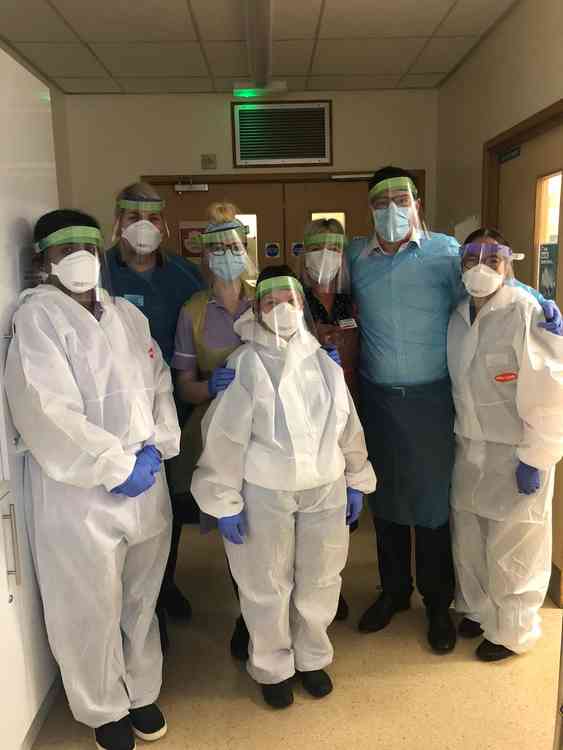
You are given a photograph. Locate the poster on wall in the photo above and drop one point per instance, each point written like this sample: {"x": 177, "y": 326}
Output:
{"x": 548, "y": 270}
{"x": 297, "y": 249}
{"x": 188, "y": 231}
{"x": 272, "y": 250}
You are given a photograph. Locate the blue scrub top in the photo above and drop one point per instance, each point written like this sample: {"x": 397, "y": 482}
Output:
{"x": 159, "y": 294}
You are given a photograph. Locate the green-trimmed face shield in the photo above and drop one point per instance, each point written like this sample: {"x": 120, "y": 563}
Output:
{"x": 323, "y": 265}
{"x": 141, "y": 224}
{"x": 224, "y": 252}
{"x": 396, "y": 210}
{"x": 72, "y": 255}
{"x": 281, "y": 308}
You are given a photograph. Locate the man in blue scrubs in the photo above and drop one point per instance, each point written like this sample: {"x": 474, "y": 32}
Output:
{"x": 406, "y": 281}
{"x": 158, "y": 283}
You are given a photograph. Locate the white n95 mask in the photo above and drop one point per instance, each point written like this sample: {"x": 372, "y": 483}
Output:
{"x": 323, "y": 265}
{"x": 284, "y": 319}
{"x": 143, "y": 237}
{"x": 482, "y": 281}
{"x": 79, "y": 272}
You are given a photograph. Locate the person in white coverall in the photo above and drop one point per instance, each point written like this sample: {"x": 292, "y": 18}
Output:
{"x": 284, "y": 467}
{"x": 92, "y": 400}
{"x": 507, "y": 380}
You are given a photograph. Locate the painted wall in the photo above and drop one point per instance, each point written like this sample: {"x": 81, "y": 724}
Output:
{"x": 514, "y": 73}
{"x": 107, "y": 141}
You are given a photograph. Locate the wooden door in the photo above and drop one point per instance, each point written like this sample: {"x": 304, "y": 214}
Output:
{"x": 517, "y": 218}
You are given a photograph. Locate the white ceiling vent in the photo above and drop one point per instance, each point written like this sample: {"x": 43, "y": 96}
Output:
{"x": 282, "y": 134}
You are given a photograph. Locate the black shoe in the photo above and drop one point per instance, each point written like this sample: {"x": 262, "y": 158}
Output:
{"x": 239, "y": 640}
{"x": 380, "y": 614}
{"x": 175, "y": 603}
{"x": 342, "y": 611}
{"x": 469, "y": 628}
{"x": 163, "y": 628}
{"x": 442, "y": 635}
{"x": 279, "y": 695}
{"x": 117, "y": 735}
{"x": 148, "y": 722}
{"x": 488, "y": 651}
{"x": 317, "y": 683}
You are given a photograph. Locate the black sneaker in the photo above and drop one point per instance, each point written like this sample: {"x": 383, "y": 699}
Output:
{"x": 279, "y": 695}
{"x": 488, "y": 651}
{"x": 442, "y": 635}
{"x": 317, "y": 683}
{"x": 117, "y": 735}
{"x": 148, "y": 722}
{"x": 175, "y": 603}
{"x": 380, "y": 614}
{"x": 240, "y": 640}
{"x": 342, "y": 611}
{"x": 469, "y": 628}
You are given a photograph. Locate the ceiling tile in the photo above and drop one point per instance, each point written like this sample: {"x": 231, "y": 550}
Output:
{"x": 427, "y": 81}
{"x": 352, "y": 83}
{"x": 33, "y": 21}
{"x": 220, "y": 20}
{"x": 294, "y": 19}
{"x": 123, "y": 20}
{"x": 60, "y": 60}
{"x": 153, "y": 59}
{"x": 227, "y": 58}
{"x": 382, "y": 57}
{"x": 443, "y": 53}
{"x": 88, "y": 85}
{"x": 370, "y": 18}
{"x": 291, "y": 57}
{"x": 165, "y": 85}
{"x": 473, "y": 17}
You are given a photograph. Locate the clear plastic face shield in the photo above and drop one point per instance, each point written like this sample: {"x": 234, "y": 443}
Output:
{"x": 71, "y": 260}
{"x": 281, "y": 310}
{"x": 396, "y": 212}
{"x": 323, "y": 264}
{"x": 140, "y": 226}
{"x": 225, "y": 259}
{"x": 485, "y": 266}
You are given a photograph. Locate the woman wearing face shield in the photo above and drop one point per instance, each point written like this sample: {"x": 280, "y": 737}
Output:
{"x": 324, "y": 274}
{"x": 283, "y": 469}
{"x": 507, "y": 385}
{"x": 158, "y": 283}
{"x": 91, "y": 398}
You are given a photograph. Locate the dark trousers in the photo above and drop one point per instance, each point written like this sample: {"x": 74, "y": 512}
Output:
{"x": 434, "y": 564}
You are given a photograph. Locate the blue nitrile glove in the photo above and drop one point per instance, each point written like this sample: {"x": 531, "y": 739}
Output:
{"x": 220, "y": 380}
{"x": 152, "y": 456}
{"x": 332, "y": 352}
{"x": 233, "y": 528}
{"x": 553, "y": 320}
{"x": 527, "y": 479}
{"x": 141, "y": 478}
{"x": 354, "y": 505}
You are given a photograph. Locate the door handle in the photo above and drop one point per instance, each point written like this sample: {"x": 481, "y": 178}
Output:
{"x": 16, "y": 570}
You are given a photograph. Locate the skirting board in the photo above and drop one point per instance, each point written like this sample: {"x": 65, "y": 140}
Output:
{"x": 42, "y": 714}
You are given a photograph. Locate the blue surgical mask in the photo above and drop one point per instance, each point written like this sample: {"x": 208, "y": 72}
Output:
{"x": 228, "y": 267}
{"x": 392, "y": 223}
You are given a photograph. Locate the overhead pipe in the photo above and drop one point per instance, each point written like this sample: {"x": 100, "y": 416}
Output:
{"x": 259, "y": 21}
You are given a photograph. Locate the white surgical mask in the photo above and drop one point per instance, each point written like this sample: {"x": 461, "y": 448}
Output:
{"x": 323, "y": 265}
{"x": 482, "y": 281}
{"x": 143, "y": 237}
{"x": 78, "y": 272}
{"x": 392, "y": 223}
{"x": 284, "y": 319}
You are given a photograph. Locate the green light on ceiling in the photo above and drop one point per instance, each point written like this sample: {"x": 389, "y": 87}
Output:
{"x": 248, "y": 93}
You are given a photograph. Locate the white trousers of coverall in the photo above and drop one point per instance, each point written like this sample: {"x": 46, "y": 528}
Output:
{"x": 100, "y": 559}
{"x": 288, "y": 574}
{"x": 503, "y": 570}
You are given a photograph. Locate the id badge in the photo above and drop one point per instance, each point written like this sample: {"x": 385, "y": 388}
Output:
{"x": 347, "y": 323}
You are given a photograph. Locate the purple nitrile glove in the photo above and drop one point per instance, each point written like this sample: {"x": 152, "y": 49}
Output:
{"x": 553, "y": 320}
{"x": 527, "y": 479}
{"x": 332, "y": 352}
{"x": 354, "y": 505}
{"x": 233, "y": 528}
{"x": 220, "y": 380}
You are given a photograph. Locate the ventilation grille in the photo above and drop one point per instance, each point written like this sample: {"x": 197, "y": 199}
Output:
{"x": 282, "y": 134}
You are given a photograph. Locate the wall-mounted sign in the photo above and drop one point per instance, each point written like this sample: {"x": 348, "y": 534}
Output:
{"x": 188, "y": 231}
{"x": 297, "y": 249}
{"x": 549, "y": 255}
{"x": 272, "y": 250}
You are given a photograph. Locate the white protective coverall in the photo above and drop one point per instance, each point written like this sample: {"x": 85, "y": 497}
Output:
{"x": 507, "y": 382}
{"x": 85, "y": 396}
{"x": 282, "y": 442}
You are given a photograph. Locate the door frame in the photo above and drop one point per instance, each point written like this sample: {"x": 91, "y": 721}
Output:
{"x": 543, "y": 121}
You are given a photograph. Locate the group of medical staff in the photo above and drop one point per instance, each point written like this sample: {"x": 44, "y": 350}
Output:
{"x": 149, "y": 392}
